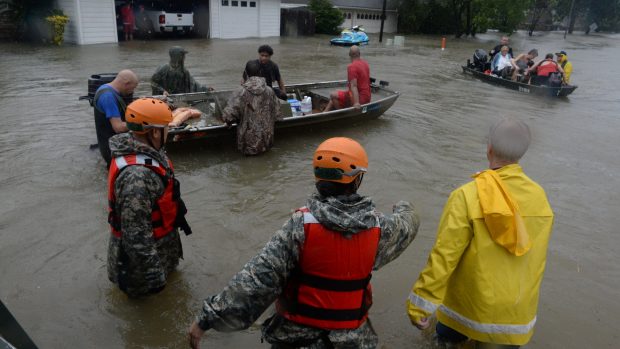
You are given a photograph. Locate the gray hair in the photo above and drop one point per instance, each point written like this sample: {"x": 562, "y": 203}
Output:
{"x": 509, "y": 139}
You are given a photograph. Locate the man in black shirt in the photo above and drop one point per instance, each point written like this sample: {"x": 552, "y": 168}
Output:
{"x": 505, "y": 41}
{"x": 269, "y": 70}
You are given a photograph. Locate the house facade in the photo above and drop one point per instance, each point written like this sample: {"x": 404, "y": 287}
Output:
{"x": 366, "y": 13}
{"x": 94, "y": 21}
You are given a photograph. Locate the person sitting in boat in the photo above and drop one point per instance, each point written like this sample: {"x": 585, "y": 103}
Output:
{"x": 173, "y": 78}
{"x": 358, "y": 77}
{"x": 255, "y": 108}
{"x": 501, "y": 65}
{"x": 504, "y": 41}
{"x": 269, "y": 71}
{"x": 544, "y": 69}
{"x": 567, "y": 66}
{"x": 522, "y": 62}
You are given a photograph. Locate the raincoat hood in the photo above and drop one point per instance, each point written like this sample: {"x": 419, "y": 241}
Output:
{"x": 255, "y": 85}
{"x": 501, "y": 212}
{"x": 125, "y": 144}
{"x": 346, "y": 214}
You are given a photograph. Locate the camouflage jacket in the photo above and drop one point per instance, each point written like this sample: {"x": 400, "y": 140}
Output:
{"x": 138, "y": 263}
{"x": 264, "y": 277}
{"x": 174, "y": 80}
{"x": 255, "y": 108}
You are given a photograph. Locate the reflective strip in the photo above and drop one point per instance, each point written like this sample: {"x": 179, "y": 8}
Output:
{"x": 141, "y": 159}
{"x": 120, "y": 162}
{"x": 488, "y": 328}
{"x": 309, "y": 218}
{"x": 422, "y": 303}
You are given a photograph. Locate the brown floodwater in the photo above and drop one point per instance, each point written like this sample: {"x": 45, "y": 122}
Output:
{"x": 53, "y": 229}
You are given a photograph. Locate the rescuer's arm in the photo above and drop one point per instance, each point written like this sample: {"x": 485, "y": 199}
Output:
{"x": 453, "y": 236}
{"x": 232, "y": 111}
{"x": 137, "y": 189}
{"x": 258, "y": 284}
{"x": 397, "y": 232}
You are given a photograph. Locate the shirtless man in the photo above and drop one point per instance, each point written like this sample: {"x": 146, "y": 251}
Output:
{"x": 522, "y": 62}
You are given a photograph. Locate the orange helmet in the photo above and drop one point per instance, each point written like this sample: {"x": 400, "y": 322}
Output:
{"x": 145, "y": 113}
{"x": 339, "y": 160}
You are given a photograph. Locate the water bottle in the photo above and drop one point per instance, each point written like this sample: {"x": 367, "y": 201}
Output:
{"x": 306, "y": 105}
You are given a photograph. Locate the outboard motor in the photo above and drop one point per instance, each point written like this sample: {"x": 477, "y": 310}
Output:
{"x": 480, "y": 60}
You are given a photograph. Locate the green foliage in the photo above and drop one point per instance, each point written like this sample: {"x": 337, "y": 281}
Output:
{"x": 328, "y": 18}
{"x": 504, "y": 15}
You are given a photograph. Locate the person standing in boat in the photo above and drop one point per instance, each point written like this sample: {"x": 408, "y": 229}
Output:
{"x": 144, "y": 203}
{"x": 109, "y": 108}
{"x": 173, "y": 77}
{"x": 358, "y": 77}
{"x": 255, "y": 109}
{"x": 484, "y": 273}
{"x": 504, "y": 41}
{"x": 269, "y": 70}
{"x": 317, "y": 267}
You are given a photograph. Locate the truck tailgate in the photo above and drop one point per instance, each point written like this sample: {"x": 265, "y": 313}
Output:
{"x": 180, "y": 19}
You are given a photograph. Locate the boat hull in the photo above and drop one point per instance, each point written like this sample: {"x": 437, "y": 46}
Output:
{"x": 383, "y": 99}
{"x": 562, "y": 91}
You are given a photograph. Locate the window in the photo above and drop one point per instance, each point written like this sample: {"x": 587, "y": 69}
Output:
{"x": 349, "y": 15}
{"x": 252, "y": 3}
{"x": 224, "y": 2}
{"x": 358, "y": 16}
{"x": 244, "y": 4}
{"x": 235, "y": 3}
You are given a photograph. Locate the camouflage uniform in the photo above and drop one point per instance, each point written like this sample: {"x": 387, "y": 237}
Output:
{"x": 264, "y": 277}
{"x": 147, "y": 261}
{"x": 173, "y": 77}
{"x": 255, "y": 108}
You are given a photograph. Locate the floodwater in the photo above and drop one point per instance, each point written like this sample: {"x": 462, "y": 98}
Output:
{"x": 53, "y": 230}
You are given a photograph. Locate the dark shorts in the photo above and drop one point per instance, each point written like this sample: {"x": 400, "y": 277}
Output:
{"x": 345, "y": 99}
{"x": 127, "y": 28}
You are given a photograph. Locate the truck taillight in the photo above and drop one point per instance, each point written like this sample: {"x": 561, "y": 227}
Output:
{"x": 162, "y": 19}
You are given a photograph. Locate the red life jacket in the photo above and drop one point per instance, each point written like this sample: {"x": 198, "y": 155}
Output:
{"x": 331, "y": 289}
{"x": 545, "y": 70}
{"x": 164, "y": 216}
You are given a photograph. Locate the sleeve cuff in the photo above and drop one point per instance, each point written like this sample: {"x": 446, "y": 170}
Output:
{"x": 203, "y": 323}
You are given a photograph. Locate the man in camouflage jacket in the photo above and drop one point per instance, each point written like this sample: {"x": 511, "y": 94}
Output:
{"x": 264, "y": 278}
{"x": 255, "y": 108}
{"x": 173, "y": 78}
{"x": 138, "y": 263}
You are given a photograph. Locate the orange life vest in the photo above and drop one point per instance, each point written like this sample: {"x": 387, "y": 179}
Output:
{"x": 545, "y": 70}
{"x": 169, "y": 211}
{"x": 331, "y": 289}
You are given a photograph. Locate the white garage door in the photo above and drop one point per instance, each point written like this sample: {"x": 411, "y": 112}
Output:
{"x": 239, "y": 18}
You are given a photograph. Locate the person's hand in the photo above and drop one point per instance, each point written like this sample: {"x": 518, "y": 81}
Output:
{"x": 422, "y": 324}
{"x": 166, "y": 94}
{"x": 194, "y": 335}
{"x": 357, "y": 106}
{"x": 211, "y": 89}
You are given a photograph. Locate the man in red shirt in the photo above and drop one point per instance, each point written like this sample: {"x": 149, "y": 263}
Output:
{"x": 128, "y": 19}
{"x": 359, "y": 84}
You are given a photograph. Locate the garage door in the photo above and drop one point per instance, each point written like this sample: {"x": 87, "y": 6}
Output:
{"x": 239, "y": 19}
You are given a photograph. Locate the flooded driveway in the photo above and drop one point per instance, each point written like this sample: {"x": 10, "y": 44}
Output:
{"x": 53, "y": 230}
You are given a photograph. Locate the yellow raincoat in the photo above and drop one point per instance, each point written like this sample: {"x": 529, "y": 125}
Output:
{"x": 484, "y": 272}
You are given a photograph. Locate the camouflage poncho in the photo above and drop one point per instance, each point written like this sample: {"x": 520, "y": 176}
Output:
{"x": 137, "y": 188}
{"x": 264, "y": 277}
{"x": 255, "y": 108}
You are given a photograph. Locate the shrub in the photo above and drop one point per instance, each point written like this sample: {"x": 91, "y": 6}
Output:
{"x": 328, "y": 18}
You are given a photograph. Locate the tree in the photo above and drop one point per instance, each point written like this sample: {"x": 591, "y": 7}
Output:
{"x": 538, "y": 9}
{"x": 328, "y": 18}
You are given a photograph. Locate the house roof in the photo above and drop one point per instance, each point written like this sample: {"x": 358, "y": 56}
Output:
{"x": 364, "y": 4}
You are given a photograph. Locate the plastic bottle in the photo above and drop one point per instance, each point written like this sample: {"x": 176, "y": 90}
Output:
{"x": 295, "y": 107}
{"x": 306, "y": 105}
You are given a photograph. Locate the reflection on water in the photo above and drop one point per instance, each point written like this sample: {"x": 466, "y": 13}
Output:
{"x": 53, "y": 231}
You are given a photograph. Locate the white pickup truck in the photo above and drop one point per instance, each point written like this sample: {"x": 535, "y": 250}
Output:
{"x": 170, "y": 19}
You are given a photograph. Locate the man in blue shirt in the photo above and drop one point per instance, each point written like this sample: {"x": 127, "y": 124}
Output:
{"x": 110, "y": 109}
